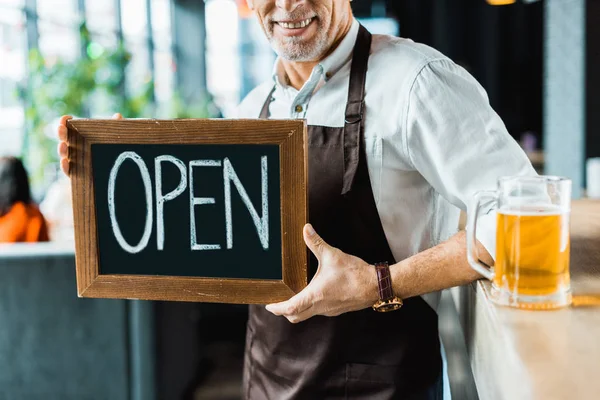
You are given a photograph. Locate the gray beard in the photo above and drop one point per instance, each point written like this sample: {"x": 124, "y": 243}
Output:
{"x": 292, "y": 49}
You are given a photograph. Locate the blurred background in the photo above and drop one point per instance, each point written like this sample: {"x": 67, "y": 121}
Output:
{"x": 184, "y": 58}
{"x": 538, "y": 60}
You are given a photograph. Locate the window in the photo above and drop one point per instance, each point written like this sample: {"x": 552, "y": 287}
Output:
{"x": 134, "y": 21}
{"x": 13, "y": 47}
{"x": 53, "y": 26}
{"x": 164, "y": 64}
{"x": 101, "y": 19}
{"x": 238, "y": 55}
{"x": 58, "y": 29}
{"x": 222, "y": 54}
{"x": 161, "y": 23}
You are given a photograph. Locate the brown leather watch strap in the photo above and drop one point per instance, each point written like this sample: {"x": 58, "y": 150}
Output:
{"x": 384, "y": 281}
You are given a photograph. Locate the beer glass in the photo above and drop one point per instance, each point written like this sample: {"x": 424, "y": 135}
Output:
{"x": 532, "y": 241}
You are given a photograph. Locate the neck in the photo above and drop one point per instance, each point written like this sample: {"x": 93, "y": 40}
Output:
{"x": 298, "y": 72}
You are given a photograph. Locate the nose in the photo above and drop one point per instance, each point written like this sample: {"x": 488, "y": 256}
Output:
{"x": 288, "y": 5}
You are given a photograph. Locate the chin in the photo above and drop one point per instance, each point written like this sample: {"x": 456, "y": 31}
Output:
{"x": 298, "y": 51}
{"x": 296, "y": 54}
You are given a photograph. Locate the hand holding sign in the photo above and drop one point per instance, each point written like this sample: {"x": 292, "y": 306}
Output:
{"x": 343, "y": 283}
{"x": 63, "y": 145}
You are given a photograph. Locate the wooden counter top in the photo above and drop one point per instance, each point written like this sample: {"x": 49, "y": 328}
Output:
{"x": 546, "y": 355}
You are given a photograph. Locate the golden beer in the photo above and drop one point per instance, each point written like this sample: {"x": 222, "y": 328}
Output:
{"x": 532, "y": 251}
{"x": 532, "y": 241}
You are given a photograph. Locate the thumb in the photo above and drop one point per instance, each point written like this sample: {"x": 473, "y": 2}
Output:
{"x": 314, "y": 242}
{"x": 295, "y": 305}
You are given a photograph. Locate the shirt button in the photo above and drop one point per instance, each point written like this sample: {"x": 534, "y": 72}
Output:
{"x": 298, "y": 108}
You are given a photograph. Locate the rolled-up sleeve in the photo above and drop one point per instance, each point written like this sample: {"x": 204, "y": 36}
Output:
{"x": 457, "y": 141}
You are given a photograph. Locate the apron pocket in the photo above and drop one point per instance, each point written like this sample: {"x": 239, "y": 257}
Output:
{"x": 369, "y": 381}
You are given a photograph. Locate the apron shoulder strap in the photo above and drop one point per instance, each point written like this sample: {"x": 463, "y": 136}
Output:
{"x": 354, "y": 118}
{"x": 264, "y": 112}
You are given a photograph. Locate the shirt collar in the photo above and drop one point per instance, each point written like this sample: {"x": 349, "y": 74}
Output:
{"x": 330, "y": 64}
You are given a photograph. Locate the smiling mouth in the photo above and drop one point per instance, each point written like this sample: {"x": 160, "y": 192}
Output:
{"x": 295, "y": 25}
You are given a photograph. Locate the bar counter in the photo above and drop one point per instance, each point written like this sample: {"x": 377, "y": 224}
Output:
{"x": 519, "y": 354}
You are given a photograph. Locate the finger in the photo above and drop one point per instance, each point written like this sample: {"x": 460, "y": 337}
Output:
{"x": 63, "y": 133}
{"x": 64, "y": 166}
{"x": 314, "y": 242}
{"x": 296, "y": 305}
{"x": 117, "y": 116}
{"x": 63, "y": 120}
{"x": 63, "y": 149}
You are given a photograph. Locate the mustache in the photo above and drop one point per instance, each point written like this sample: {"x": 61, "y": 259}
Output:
{"x": 298, "y": 14}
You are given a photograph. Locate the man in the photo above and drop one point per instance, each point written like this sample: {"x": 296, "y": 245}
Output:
{"x": 399, "y": 137}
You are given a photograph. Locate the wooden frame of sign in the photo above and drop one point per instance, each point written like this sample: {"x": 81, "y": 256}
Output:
{"x": 288, "y": 135}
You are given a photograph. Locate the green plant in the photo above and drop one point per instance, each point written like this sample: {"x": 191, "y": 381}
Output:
{"x": 92, "y": 85}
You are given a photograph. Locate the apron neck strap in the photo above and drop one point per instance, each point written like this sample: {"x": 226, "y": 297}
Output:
{"x": 355, "y": 107}
{"x": 356, "y": 92}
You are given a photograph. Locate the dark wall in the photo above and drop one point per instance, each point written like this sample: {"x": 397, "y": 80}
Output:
{"x": 502, "y": 47}
{"x": 593, "y": 78}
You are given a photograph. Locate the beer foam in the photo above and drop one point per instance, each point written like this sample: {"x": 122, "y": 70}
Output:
{"x": 532, "y": 209}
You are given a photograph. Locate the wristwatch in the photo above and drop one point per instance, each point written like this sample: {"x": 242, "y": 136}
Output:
{"x": 387, "y": 300}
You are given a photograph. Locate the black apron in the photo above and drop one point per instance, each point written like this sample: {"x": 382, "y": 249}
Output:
{"x": 357, "y": 355}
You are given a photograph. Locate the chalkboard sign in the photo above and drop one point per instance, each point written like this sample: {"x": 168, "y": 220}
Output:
{"x": 189, "y": 210}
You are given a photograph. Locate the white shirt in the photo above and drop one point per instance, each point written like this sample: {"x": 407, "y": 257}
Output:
{"x": 432, "y": 138}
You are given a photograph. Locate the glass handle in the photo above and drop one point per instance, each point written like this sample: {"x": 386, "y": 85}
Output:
{"x": 472, "y": 215}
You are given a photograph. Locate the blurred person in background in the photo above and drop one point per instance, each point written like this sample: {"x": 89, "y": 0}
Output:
{"x": 20, "y": 218}
{"x": 57, "y": 207}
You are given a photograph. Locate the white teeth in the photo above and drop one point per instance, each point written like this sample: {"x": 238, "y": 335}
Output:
{"x": 297, "y": 25}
